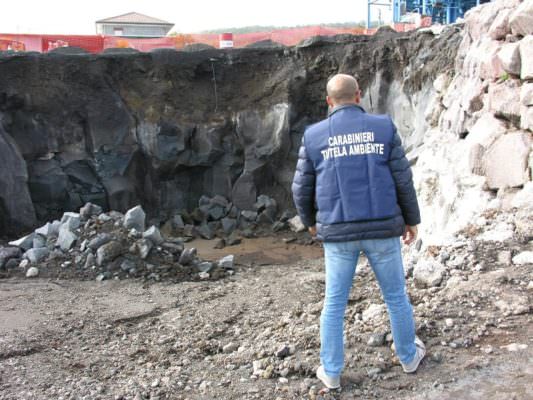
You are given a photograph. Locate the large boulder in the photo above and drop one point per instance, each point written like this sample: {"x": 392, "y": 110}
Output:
{"x": 526, "y": 106}
{"x": 506, "y": 161}
{"x": 509, "y": 56}
{"x": 108, "y": 252}
{"x": 428, "y": 273}
{"x": 526, "y": 57}
{"x": 135, "y": 218}
{"x": 504, "y": 99}
{"x": 521, "y": 19}
{"x": 500, "y": 28}
{"x": 486, "y": 130}
{"x": 17, "y": 213}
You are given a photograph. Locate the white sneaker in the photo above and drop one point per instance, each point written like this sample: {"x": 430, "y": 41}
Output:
{"x": 330, "y": 382}
{"x": 419, "y": 355}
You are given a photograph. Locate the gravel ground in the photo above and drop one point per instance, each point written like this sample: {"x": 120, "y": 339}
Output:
{"x": 254, "y": 335}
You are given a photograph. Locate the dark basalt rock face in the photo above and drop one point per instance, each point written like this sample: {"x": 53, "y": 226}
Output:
{"x": 162, "y": 129}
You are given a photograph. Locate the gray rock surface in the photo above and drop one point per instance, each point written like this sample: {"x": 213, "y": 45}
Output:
{"x": 526, "y": 58}
{"x": 32, "y": 272}
{"x": 428, "y": 273}
{"x": 37, "y": 255}
{"x": 153, "y": 234}
{"x": 25, "y": 243}
{"x": 521, "y": 19}
{"x": 99, "y": 240}
{"x": 296, "y": 224}
{"x": 135, "y": 218}
{"x": 66, "y": 238}
{"x": 7, "y": 253}
{"x": 108, "y": 252}
{"x": 17, "y": 212}
{"x": 501, "y": 169}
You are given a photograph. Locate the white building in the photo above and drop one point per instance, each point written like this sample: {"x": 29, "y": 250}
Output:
{"x": 133, "y": 25}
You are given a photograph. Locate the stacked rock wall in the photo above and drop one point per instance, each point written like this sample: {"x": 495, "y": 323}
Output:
{"x": 478, "y": 155}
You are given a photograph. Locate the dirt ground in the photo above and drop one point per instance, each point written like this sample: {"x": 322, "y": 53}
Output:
{"x": 69, "y": 339}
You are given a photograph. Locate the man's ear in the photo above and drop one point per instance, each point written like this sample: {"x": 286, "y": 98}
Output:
{"x": 328, "y": 100}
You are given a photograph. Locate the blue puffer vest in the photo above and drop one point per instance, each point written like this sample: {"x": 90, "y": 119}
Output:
{"x": 352, "y": 178}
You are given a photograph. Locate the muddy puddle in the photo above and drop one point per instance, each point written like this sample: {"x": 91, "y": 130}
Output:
{"x": 259, "y": 251}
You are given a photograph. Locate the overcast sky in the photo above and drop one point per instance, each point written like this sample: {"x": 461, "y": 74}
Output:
{"x": 78, "y": 17}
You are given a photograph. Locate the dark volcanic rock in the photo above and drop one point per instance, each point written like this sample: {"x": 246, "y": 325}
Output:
{"x": 163, "y": 128}
{"x": 16, "y": 208}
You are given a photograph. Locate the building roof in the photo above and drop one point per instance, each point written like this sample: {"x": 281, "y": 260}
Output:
{"x": 134, "y": 18}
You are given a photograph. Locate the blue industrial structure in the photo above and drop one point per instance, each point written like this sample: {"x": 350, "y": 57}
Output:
{"x": 441, "y": 11}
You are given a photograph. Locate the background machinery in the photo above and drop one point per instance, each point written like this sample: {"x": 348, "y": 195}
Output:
{"x": 440, "y": 11}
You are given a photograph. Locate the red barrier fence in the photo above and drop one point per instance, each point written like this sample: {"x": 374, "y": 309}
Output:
{"x": 97, "y": 43}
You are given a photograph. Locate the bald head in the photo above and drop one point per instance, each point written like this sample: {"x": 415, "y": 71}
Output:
{"x": 343, "y": 89}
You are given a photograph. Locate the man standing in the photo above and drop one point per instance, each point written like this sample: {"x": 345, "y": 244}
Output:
{"x": 353, "y": 189}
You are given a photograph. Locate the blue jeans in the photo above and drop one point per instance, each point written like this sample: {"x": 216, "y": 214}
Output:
{"x": 386, "y": 260}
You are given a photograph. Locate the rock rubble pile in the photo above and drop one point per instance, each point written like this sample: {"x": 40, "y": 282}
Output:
{"x": 92, "y": 244}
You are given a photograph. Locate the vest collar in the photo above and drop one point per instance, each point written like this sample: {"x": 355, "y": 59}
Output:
{"x": 344, "y": 106}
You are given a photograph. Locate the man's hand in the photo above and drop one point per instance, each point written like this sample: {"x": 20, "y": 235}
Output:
{"x": 312, "y": 230}
{"x": 409, "y": 234}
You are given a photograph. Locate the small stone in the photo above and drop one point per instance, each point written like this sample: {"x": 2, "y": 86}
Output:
{"x": 205, "y": 231}
{"x": 90, "y": 261}
{"x": 205, "y": 266}
{"x": 283, "y": 351}
{"x": 89, "y": 210}
{"x": 230, "y": 347}
{"x": 144, "y": 246}
{"x": 514, "y": 347}
{"x": 283, "y": 380}
{"x": 204, "y": 275}
{"x": 513, "y": 304}
{"x": 108, "y": 252}
{"x": 177, "y": 222}
{"x": 102, "y": 277}
{"x": 135, "y": 218}
{"x": 257, "y": 367}
{"x": 296, "y": 224}
{"x": 228, "y": 225}
{"x": 25, "y": 243}
{"x": 504, "y": 257}
{"x": 66, "y": 238}
{"x": 44, "y": 230}
{"x": 279, "y": 226}
{"x": 127, "y": 265}
{"x": 449, "y": 322}
{"x": 72, "y": 220}
{"x": 232, "y": 240}
{"x": 99, "y": 240}
{"x": 226, "y": 262}
{"x": 428, "y": 273}
{"x": 187, "y": 256}
{"x": 174, "y": 247}
{"x": 267, "y": 373}
{"x": 8, "y": 253}
{"x": 373, "y": 312}
{"x": 248, "y": 215}
{"x": 523, "y": 258}
{"x": 153, "y": 234}
{"x": 32, "y": 272}
{"x": 37, "y": 255}
{"x": 376, "y": 339}
{"x": 220, "y": 244}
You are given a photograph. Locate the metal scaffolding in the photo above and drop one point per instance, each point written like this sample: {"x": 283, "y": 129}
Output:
{"x": 441, "y": 11}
